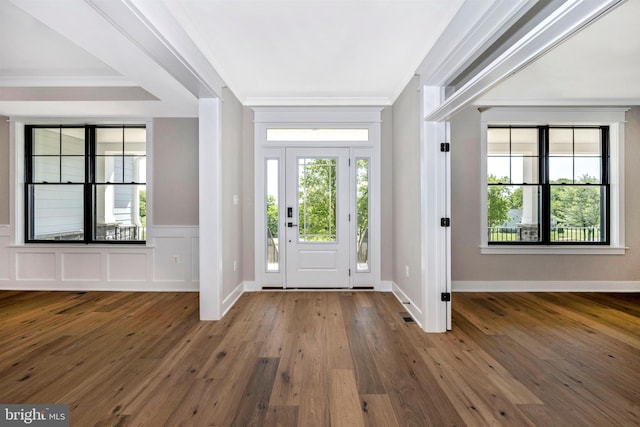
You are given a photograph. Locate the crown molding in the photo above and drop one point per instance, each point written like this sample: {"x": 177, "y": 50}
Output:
{"x": 316, "y": 101}
{"x": 559, "y": 102}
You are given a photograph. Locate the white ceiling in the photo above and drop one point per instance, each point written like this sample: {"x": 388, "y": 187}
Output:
{"x": 315, "y": 48}
{"x": 35, "y": 51}
{"x": 141, "y": 58}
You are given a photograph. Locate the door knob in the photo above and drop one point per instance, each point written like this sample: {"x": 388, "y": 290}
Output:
{"x": 290, "y": 224}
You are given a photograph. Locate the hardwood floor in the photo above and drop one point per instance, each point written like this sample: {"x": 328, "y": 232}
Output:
{"x": 323, "y": 359}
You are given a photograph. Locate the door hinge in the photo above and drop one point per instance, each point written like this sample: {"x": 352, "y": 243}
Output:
{"x": 445, "y": 222}
{"x": 349, "y": 217}
{"x": 445, "y": 296}
{"x": 349, "y": 272}
{"x": 445, "y": 147}
{"x": 349, "y": 161}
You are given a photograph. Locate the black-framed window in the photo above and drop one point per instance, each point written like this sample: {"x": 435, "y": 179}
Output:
{"x": 548, "y": 185}
{"x": 85, "y": 184}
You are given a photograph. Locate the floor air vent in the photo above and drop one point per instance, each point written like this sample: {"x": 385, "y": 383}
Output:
{"x": 406, "y": 317}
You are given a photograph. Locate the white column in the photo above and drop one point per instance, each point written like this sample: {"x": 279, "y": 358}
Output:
{"x": 210, "y": 164}
{"x": 434, "y": 170}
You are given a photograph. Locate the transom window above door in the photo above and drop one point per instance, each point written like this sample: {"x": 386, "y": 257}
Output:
{"x": 321, "y": 134}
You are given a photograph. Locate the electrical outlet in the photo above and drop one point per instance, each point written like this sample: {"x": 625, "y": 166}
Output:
{"x": 175, "y": 259}
{"x": 235, "y": 265}
{"x": 406, "y": 271}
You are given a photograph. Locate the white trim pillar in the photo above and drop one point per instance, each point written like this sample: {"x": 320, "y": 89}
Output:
{"x": 434, "y": 170}
{"x": 210, "y": 190}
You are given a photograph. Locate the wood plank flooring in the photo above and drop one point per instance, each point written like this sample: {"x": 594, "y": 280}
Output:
{"x": 323, "y": 359}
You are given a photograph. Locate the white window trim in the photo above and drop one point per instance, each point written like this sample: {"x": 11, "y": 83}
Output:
{"x": 612, "y": 117}
{"x": 16, "y": 170}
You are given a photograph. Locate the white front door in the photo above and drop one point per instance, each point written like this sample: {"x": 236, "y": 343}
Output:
{"x": 316, "y": 226}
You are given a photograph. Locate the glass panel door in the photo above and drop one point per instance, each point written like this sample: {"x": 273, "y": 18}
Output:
{"x": 317, "y": 217}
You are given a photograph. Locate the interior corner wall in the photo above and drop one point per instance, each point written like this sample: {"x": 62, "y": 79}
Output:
{"x": 5, "y": 179}
{"x": 469, "y": 265}
{"x": 386, "y": 195}
{"x": 406, "y": 199}
{"x": 232, "y": 201}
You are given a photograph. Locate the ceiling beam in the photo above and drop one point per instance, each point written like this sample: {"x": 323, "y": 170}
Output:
{"x": 153, "y": 28}
{"x": 559, "y": 25}
{"x": 475, "y": 26}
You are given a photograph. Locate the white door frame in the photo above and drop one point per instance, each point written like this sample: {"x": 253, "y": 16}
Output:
{"x": 365, "y": 118}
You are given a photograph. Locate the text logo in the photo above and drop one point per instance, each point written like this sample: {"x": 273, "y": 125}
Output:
{"x": 34, "y": 415}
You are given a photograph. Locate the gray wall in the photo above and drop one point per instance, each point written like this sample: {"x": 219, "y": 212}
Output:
{"x": 406, "y": 192}
{"x": 175, "y": 171}
{"x": 386, "y": 195}
{"x": 248, "y": 215}
{"x": 232, "y": 166}
{"x": 467, "y": 264}
{"x": 5, "y": 179}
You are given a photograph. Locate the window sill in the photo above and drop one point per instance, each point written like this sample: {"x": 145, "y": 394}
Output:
{"x": 552, "y": 250}
{"x": 82, "y": 246}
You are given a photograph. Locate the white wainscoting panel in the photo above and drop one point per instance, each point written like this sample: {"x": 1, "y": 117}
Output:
{"x": 104, "y": 267}
{"x": 170, "y": 257}
{"x": 126, "y": 267}
{"x": 78, "y": 266}
{"x": 175, "y": 254}
{"x": 36, "y": 266}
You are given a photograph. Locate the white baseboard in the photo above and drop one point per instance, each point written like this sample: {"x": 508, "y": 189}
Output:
{"x": 251, "y": 286}
{"x": 545, "y": 286}
{"x": 385, "y": 286}
{"x": 166, "y": 286}
{"x": 409, "y": 305}
{"x": 232, "y": 298}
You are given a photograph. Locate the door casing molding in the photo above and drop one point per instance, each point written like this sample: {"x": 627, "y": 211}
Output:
{"x": 316, "y": 118}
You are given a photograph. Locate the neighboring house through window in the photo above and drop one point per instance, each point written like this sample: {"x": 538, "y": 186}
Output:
{"x": 85, "y": 183}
